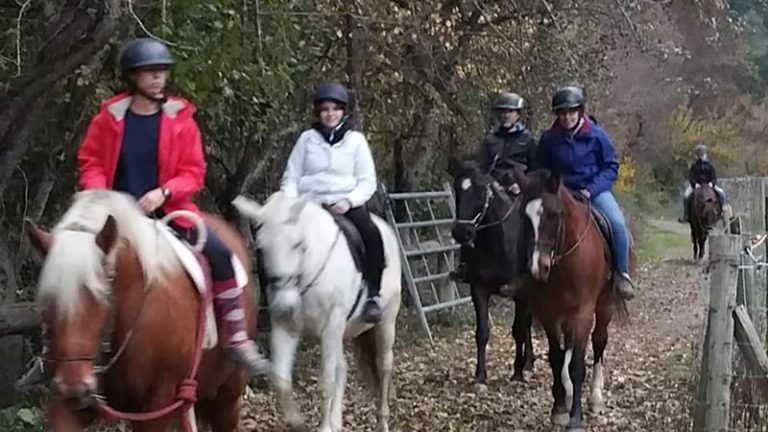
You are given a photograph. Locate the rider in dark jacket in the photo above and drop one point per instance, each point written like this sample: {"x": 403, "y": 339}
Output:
{"x": 511, "y": 142}
{"x": 702, "y": 172}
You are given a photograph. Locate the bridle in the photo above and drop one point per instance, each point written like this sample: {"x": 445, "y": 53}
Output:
{"x": 479, "y": 217}
{"x": 551, "y": 246}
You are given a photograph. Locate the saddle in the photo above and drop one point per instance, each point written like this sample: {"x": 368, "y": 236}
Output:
{"x": 353, "y": 237}
{"x": 196, "y": 267}
{"x": 602, "y": 223}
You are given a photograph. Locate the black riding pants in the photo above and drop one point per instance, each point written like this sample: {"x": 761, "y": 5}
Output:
{"x": 215, "y": 251}
{"x": 374, "y": 247}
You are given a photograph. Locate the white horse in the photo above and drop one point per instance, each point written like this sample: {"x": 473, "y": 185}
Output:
{"x": 315, "y": 285}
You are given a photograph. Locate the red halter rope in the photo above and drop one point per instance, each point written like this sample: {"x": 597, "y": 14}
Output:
{"x": 186, "y": 394}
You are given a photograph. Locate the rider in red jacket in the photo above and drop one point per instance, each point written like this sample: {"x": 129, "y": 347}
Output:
{"x": 148, "y": 145}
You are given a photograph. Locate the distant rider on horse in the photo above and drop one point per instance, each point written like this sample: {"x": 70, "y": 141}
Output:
{"x": 702, "y": 172}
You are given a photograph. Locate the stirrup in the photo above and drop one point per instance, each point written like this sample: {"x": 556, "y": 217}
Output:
{"x": 247, "y": 354}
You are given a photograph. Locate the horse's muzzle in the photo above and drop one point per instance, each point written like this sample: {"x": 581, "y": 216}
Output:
{"x": 464, "y": 234}
{"x": 79, "y": 394}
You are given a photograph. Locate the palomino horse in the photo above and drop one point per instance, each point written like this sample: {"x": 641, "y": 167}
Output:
{"x": 703, "y": 215}
{"x": 488, "y": 226}
{"x": 110, "y": 273}
{"x": 575, "y": 290}
{"x": 314, "y": 284}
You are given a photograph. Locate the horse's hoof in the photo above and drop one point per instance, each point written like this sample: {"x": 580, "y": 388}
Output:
{"x": 295, "y": 423}
{"x": 561, "y": 419}
{"x": 596, "y": 408}
{"x": 518, "y": 377}
{"x": 480, "y": 388}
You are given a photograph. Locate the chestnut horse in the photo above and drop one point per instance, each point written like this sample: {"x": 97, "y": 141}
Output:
{"x": 575, "y": 289}
{"x": 110, "y": 273}
{"x": 704, "y": 213}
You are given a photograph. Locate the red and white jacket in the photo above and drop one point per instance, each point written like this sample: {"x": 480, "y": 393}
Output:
{"x": 180, "y": 160}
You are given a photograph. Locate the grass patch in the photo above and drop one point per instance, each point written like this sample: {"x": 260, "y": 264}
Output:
{"x": 659, "y": 243}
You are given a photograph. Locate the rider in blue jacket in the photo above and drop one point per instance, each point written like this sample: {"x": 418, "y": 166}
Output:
{"x": 582, "y": 153}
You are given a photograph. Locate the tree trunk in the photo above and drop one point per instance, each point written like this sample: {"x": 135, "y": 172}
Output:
{"x": 76, "y": 35}
{"x": 355, "y": 65}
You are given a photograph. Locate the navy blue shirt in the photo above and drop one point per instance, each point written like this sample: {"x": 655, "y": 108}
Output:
{"x": 137, "y": 166}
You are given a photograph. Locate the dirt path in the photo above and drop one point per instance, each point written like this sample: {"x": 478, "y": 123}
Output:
{"x": 649, "y": 364}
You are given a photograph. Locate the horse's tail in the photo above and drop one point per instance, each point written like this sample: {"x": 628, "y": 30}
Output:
{"x": 367, "y": 352}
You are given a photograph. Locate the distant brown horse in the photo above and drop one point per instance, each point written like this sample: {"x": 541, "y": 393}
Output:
{"x": 704, "y": 212}
{"x": 575, "y": 290}
{"x": 109, "y": 272}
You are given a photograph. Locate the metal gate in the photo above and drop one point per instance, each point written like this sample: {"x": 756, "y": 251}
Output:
{"x": 427, "y": 249}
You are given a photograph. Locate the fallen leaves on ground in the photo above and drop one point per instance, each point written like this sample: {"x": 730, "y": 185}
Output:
{"x": 649, "y": 364}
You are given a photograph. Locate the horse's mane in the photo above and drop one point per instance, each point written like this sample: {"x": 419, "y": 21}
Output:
{"x": 75, "y": 260}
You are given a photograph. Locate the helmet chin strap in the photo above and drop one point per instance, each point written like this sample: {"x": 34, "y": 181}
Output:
{"x": 159, "y": 99}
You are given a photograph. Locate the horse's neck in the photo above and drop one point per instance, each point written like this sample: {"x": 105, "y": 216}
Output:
{"x": 320, "y": 233}
{"x": 576, "y": 216}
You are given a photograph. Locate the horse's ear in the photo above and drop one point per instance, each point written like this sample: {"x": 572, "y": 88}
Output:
{"x": 106, "y": 239}
{"x": 248, "y": 208}
{"x": 295, "y": 211}
{"x": 553, "y": 182}
{"x": 40, "y": 238}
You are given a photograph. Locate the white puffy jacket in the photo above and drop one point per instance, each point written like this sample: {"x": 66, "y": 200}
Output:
{"x": 329, "y": 173}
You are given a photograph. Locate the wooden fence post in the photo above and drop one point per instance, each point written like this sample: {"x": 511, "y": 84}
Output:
{"x": 713, "y": 412}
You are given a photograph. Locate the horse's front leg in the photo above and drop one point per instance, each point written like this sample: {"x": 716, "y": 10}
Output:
{"x": 63, "y": 418}
{"x": 559, "y": 414}
{"x": 334, "y": 374}
{"x": 284, "y": 343}
{"x": 521, "y": 331}
{"x": 480, "y": 295}
{"x": 574, "y": 368}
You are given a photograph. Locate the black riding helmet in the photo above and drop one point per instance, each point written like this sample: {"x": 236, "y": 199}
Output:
{"x": 143, "y": 52}
{"x": 332, "y": 91}
{"x": 568, "y": 97}
{"x": 508, "y": 101}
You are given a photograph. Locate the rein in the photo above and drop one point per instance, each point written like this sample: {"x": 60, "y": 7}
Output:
{"x": 556, "y": 257}
{"x": 311, "y": 283}
{"x": 475, "y": 222}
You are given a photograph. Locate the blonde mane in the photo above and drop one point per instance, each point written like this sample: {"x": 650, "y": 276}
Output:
{"x": 74, "y": 261}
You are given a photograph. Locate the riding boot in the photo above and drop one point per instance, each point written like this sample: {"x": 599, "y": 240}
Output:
{"x": 686, "y": 211}
{"x": 372, "y": 308}
{"x": 228, "y": 301}
{"x": 625, "y": 287}
{"x": 38, "y": 373}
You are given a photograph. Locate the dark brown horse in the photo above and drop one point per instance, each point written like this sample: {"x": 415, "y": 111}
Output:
{"x": 575, "y": 290}
{"x": 704, "y": 212}
{"x": 109, "y": 272}
{"x": 488, "y": 228}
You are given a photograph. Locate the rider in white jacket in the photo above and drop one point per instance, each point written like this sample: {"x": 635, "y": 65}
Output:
{"x": 328, "y": 172}
{"x": 332, "y": 164}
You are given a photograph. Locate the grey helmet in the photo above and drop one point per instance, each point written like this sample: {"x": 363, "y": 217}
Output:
{"x": 143, "y": 52}
{"x": 508, "y": 101}
{"x": 568, "y": 97}
{"x": 701, "y": 151}
{"x": 331, "y": 91}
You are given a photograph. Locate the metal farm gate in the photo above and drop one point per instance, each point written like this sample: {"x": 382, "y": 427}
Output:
{"x": 427, "y": 249}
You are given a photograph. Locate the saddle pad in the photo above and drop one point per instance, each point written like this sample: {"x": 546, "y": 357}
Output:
{"x": 191, "y": 265}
